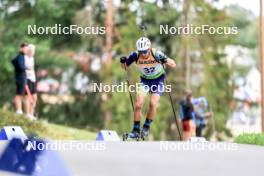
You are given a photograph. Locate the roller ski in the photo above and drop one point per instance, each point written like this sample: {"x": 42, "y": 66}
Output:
{"x": 136, "y": 135}
{"x": 132, "y": 136}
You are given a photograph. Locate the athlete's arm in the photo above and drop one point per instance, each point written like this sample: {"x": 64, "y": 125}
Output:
{"x": 171, "y": 63}
{"x": 125, "y": 62}
{"x": 165, "y": 59}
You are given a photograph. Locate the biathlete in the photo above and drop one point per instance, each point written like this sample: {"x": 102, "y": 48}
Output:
{"x": 150, "y": 63}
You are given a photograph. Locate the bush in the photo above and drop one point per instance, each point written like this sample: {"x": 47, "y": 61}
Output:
{"x": 254, "y": 138}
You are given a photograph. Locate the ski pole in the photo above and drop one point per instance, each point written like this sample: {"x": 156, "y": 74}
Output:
{"x": 123, "y": 60}
{"x": 130, "y": 95}
{"x": 144, "y": 28}
{"x": 172, "y": 106}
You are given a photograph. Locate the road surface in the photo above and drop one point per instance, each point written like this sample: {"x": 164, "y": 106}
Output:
{"x": 149, "y": 158}
{"x": 163, "y": 158}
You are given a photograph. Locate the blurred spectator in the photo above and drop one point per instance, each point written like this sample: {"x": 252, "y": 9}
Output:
{"x": 20, "y": 76}
{"x": 31, "y": 94}
{"x": 200, "y": 108}
{"x": 241, "y": 102}
{"x": 187, "y": 116}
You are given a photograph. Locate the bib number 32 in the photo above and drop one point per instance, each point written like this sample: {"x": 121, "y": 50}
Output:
{"x": 149, "y": 70}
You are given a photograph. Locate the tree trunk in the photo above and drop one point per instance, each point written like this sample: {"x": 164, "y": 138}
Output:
{"x": 186, "y": 55}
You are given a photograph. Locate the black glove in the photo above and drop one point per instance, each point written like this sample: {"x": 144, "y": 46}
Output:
{"x": 123, "y": 59}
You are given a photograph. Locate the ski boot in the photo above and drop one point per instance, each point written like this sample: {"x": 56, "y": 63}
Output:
{"x": 133, "y": 135}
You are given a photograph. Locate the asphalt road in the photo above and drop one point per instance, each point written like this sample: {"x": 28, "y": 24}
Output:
{"x": 149, "y": 158}
{"x": 163, "y": 158}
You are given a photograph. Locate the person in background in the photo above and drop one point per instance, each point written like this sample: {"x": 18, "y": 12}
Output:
{"x": 187, "y": 115}
{"x": 240, "y": 102}
{"x": 200, "y": 108}
{"x": 31, "y": 94}
{"x": 20, "y": 76}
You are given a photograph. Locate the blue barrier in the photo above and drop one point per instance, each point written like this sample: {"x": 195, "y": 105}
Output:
{"x": 21, "y": 158}
{"x": 9, "y": 132}
{"x": 107, "y": 135}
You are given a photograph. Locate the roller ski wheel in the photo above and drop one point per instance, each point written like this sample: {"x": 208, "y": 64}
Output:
{"x": 125, "y": 136}
{"x": 131, "y": 136}
{"x": 144, "y": 134}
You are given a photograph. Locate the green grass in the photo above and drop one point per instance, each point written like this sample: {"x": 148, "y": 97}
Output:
{"x": 64, "y": 132}
{"x": 251, "y": 138}
{"x": 43, "y": 129}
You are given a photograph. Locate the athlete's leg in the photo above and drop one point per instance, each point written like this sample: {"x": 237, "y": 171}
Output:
{"x": 141, "y": 93}
{"x": 154, "y": 100}
{"x": 157, "y": 88}
{"x": 137, "y": 116}
{"x": 138, "y": 106}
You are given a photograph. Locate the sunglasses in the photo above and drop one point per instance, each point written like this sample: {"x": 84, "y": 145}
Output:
{"x": 143, "y": 52}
